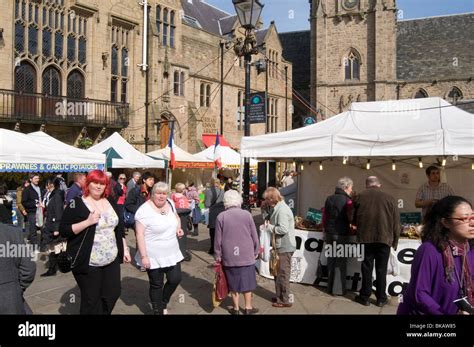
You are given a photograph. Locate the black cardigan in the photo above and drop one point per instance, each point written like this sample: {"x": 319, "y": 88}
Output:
{"x": 76, "y": 214}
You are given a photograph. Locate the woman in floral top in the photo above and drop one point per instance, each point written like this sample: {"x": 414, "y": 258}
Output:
{"x": 96, "y": 244}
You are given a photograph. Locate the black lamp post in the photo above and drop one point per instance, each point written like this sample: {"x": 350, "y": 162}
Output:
{"x": 249, "y": 12}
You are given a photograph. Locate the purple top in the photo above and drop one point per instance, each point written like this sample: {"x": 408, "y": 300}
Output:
{"x": 236, "y": 242}
{"x": 428, "y": 291}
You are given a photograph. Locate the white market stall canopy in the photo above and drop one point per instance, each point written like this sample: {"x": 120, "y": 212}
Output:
{"x": 229, "y": 157}
{"x": 413, "y": 127}
{"x": 121, "y": 154}
{"x": 183, "y": 159}
{"x": 39, "y": 152}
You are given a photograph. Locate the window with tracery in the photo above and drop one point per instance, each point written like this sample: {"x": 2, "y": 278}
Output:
{"x": 119, "y": 64}
{"x": 352, "y": 66}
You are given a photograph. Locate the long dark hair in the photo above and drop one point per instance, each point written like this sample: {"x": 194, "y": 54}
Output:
{"x": 433, "y": 229}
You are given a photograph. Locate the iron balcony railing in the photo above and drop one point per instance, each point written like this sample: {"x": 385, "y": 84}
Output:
{"x": 40, "y": 108}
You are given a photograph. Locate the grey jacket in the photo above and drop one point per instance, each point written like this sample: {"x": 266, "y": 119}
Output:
{"x": 214, "y": 200}
{"x": 282, "y": 223}
{"x": 16, "y": 272}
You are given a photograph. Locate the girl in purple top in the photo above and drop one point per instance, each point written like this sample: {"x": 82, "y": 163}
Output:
{"x": 443, "y": 268}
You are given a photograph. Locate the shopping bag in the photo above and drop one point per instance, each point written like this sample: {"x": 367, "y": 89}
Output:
{"x": 220, "y": 289}
{"x": 392, "y": 265}
{"x": 39, "y": 217}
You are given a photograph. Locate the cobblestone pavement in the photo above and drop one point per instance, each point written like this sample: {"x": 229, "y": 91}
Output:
{"x": 60, "y": 294}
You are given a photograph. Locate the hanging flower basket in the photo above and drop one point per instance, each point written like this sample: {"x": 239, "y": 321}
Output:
{"x": 85, "y": 143}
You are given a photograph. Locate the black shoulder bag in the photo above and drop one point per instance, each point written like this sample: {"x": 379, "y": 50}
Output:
{"x": 64, "y": 260}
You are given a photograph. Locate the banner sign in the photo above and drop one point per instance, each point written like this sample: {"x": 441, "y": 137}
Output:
{"x": 36, "y": 167}
{"x": 309, "y": 255}
{"x": 258, "y": 109}
{"x": 314, "y": 215}
{"x": 193, "y": 165}
{"x": 410, "y": 217}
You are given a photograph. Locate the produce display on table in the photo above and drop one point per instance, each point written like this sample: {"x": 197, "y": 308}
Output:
{"x": 411, "y": 231}
{"x": 305, "y": 224}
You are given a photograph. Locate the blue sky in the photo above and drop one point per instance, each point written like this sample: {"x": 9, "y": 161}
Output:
{"x": 292, "y": 15}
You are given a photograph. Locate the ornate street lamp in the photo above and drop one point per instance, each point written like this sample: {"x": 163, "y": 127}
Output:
{"x": 249, "y": 12}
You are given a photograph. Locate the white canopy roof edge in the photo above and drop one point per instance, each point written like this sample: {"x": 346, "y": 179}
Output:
{"x": 229, "y": 157}
{"x": 179, "y": 153}
{"x": 131, "y": 158}
{"x": 39, "y": 152}
{"x": 412, "y": 127}
{"x": 55, "y": 144}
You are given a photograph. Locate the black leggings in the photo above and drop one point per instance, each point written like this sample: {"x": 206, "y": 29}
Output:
{"x": 160, "y": 292}
{"x": 100, "y": 288}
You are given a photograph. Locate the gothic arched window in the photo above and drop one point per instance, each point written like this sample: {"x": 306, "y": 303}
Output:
{"x": 51, "y": 83}
{"x": 25, "y": 78}
{"x": 421, "y": 93}
{"x": 454, "y": 95}
{"x": 352, "y": 66}
{"x": 75, "y": 85}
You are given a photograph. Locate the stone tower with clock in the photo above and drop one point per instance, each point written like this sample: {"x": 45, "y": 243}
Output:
{"x": 353, "y": 53}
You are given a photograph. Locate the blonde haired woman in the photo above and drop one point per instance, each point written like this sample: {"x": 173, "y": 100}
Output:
{"x": 158, "y": 228}
{"x": 282, "y": 223}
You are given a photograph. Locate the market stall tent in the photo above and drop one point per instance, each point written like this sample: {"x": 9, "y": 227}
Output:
{"x": 413, "y": 127}
{"x": 39, "y": 152}
{"x": 124, "y": 155}
{"x": 229, "y": 157}
{"x": 398, "y": 133}
{"x": 183, "y": 159}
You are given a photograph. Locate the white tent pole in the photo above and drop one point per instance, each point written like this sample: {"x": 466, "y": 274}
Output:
{"x": 170, "y": 178}
{"x": 241, "y": 174}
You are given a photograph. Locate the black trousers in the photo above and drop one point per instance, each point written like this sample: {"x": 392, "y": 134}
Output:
{"x": 160, "y": 292}
{"x": 100, "y": 288}
{"x": 32, "y": 235}
{"x": 337, "y": 269}
{"x": 379, "y": 253}
{"x": 212, "y": 234}
{"x": 53, "y": 262}
{"x": 183, "y": 241}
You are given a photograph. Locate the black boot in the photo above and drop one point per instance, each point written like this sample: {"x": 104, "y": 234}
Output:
{"x": 50, "y": 272}
{"x": 156, "y": 309}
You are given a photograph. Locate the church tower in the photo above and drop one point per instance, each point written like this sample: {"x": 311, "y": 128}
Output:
{"x": 353, "y": 53}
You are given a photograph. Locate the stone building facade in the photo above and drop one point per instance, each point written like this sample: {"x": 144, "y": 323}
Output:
{"x": 363, "y": 50}
{"x": 72, "y": 68}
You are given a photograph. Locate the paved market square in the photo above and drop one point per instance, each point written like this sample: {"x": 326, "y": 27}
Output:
{"x": 60, "y": 295}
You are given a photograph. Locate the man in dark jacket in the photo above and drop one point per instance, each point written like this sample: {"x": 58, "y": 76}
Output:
{"x": 337, "y": 219}
{"x": 31, "y": 200}
{"x": 16, "y": 271}
{"x": 54, "y": 212}
{"x": 378, "y": 228}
